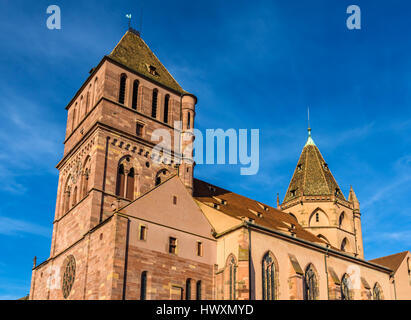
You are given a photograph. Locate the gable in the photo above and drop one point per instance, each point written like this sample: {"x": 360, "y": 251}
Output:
{"x": 157, "y": 206}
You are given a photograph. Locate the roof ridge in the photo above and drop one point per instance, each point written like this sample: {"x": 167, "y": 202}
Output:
{"x": 322, "y": 171}
{"x": 391, "y": 255}
{"x": 238, "y": 194}
{"x": 152, "y": 52}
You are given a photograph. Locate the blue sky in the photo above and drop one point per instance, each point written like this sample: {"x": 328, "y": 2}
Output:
{"x": 252, "y": 64}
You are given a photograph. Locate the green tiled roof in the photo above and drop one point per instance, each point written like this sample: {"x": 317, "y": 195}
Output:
{"x": 135, "y": 54}
{"x": 312, "y": 177}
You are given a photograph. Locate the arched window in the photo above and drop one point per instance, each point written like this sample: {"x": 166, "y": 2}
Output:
{"x": 84, "y": 183}
{"x": 154, "y": 104}
{"x": 122, "y": 91}
{"x": 344, "y": 244}
{"x": 233, "y": 275}
{"x": 130, "y": 184}
{"x": 73, "y": 124}
{"x": 74, "y": 197}
{"x": 66, "y": 200}
{"x": 188, "y": 289}
{"x": 268, "y": 278}
{"x": 166, "y": 102}
{"x": 95, "y": 91}
{"x": 135, "y": 94}
{"x": 341, "y": 220}
{"x": 87, "y": 101}
{"x": 317, "y": 217}
{"x": 198, "y": 290}
{"x": 310, "y": 284}
{"x": 188, "y": 120}
{"x": 143, "y": 288}
{"x": 120, "y": 181}
{"x": 345, "y": 287}
{"x": 125, "y": 179}
{"x": 81, "y": 112}
{"x": 377, "y": 292}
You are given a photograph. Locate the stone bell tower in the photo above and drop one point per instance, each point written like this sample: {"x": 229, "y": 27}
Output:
{"x": 108, "y": 155}
{"x": 108, "y": 158}
{"x": 316, "y": 200}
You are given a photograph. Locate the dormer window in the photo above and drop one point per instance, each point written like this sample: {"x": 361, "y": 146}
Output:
{"x": 299, "y": 167}
{"x": 325, "y": 166}
{"x": 293, "y": 192}
{"x": 265, "y": 208}
{"x": 337, "y": 192}
{"x": 153, "y": 70}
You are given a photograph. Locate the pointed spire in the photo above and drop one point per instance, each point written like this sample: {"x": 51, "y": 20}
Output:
{"x": 278, "y": 200}
{"x": 352, "y": 197}
{"x": 312, "y": 176}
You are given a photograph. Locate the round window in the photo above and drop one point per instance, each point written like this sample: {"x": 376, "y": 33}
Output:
{"x": 69, "y": 275}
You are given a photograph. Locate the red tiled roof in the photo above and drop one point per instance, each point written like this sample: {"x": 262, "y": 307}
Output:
{"x": 235, "y": 205}
{"x": 392, "y": 261}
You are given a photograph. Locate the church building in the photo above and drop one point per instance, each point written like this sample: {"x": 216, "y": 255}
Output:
{"x": 127, "y": 227}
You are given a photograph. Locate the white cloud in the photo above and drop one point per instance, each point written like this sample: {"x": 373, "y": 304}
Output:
{"x": 15, "y": 227}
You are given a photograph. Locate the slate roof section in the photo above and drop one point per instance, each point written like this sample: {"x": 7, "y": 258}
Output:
{"x": 312, "y": 177}
{"x": 237, "y": 206}
{"x": 134, "y": 53}
{"x": 392, "y": 262}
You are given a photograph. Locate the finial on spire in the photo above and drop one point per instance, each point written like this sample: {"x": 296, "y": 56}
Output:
{"x": 310, "y": 141}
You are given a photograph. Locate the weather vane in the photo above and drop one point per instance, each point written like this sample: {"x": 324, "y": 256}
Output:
{"x": 128, "y": 16}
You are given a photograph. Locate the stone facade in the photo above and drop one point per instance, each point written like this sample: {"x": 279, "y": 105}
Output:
{"x": 136, "y": 228}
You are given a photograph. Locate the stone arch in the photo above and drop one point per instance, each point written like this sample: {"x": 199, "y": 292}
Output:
{"x": 95, "y": 91}
{"x": 311, "y": 283}
{"x": 122, "y": 92}
{"x": 126, "y": 177}
{"x": 88, "y": 98}
{"x": 343, "y": 221}
{"x": 66, "y": 195}
{"x": 319, "y": 218}
{"x": 322, "y": 237}
{"x": 266, "y": 286}
{"x": 161, "y": 175}
{"x": 74, "y": 118}
{"x": 85, "y": 177}
{"x": 345, "y": 245}
{"x": 81, "y": 108}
